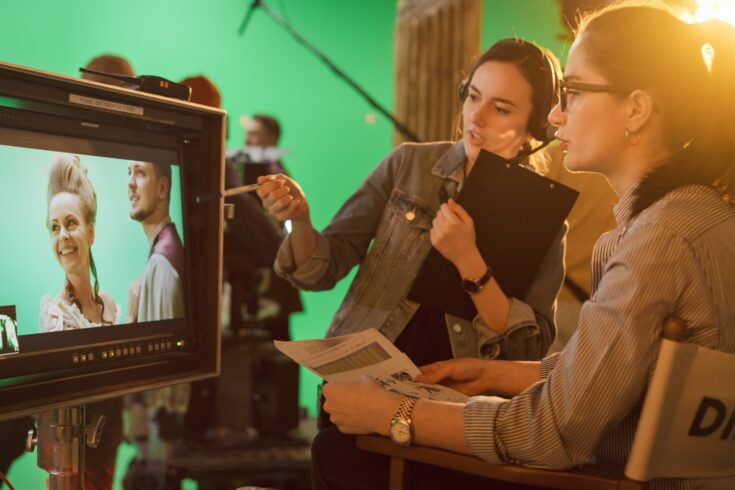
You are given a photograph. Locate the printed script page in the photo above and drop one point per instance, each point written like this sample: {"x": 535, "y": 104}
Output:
{"x": 348, "y": 357}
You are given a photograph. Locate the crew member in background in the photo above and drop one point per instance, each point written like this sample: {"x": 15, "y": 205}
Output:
{"x": 263, "y": 131}
{"x": 279, "y": 299}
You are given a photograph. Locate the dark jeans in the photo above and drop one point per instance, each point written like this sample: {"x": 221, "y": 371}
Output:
{"x": 337, "y": 464}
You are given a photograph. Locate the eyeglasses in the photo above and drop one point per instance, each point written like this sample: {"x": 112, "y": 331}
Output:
{"x": 584, "y": 87}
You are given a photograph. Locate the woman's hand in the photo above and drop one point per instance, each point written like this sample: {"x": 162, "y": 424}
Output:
{"x": 283, "y": 198}
{"x": 453, "y": 234}
{"x": 361, "y": 407}
{"x": 467, "y": 376}
{"x": 479, "y": 377}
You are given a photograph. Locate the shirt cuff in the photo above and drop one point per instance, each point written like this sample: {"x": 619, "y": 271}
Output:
{"x": 520, "y": 315}
{"x": 480, "y": 415}
{"x": 311, "y": 271}
{"x": 548, "y": 364}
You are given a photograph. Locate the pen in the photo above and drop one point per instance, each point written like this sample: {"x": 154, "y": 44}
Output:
{"x": 228, "y": 192}
{"x": 239, "y": 190}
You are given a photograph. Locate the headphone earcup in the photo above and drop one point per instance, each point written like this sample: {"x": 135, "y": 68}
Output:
{"x": 463, "y": 89}
{"x": 540, "y": 125}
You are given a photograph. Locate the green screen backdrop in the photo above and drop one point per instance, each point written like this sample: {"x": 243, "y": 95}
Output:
{"x": 335, "y": 138}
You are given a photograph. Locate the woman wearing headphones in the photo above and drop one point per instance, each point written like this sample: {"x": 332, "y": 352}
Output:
{"x": 400, "y": 208}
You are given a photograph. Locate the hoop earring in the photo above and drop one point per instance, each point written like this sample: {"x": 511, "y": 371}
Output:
{"x": 632, "y": 138}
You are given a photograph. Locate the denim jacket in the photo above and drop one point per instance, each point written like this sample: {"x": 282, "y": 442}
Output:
{"x": 384, "y": 227}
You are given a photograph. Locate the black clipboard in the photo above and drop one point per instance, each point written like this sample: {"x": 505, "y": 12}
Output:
{"x": 517, "y": 214}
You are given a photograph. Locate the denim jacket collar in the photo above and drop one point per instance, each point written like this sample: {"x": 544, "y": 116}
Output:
{"x": 451, "y": 164}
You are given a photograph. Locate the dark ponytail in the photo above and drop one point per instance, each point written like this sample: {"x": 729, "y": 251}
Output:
{"x": 715, "y": 145}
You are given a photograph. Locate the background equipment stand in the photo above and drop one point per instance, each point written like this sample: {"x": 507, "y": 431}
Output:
{"x": 62, "y": 437}
{"x": 410, "y": 136}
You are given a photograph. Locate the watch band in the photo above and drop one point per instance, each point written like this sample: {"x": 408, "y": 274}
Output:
{"x": 401, "y": 427}
{"x": 475, "y": 285}
{"x": 406, "y": 408}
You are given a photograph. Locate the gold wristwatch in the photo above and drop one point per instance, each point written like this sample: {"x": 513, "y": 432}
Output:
{"x": 401, "y": 428}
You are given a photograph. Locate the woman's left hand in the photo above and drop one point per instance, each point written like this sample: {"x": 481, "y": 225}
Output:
{"x": 361, "y": 407}
{"x": 453, "y": 233}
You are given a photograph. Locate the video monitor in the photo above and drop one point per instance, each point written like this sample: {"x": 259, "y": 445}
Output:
{"x": 111, "y": 246}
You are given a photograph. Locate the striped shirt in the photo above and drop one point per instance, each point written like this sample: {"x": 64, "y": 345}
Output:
{"x": 675, "y": 258}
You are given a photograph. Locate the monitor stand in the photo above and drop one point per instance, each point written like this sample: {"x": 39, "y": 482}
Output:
{"x": 62, "y": 437}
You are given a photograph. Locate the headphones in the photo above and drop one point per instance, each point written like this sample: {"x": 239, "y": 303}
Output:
{"x": 538, "y": 125}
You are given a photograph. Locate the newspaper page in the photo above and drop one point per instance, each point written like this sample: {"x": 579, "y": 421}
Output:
{"x": 347, "y": 357}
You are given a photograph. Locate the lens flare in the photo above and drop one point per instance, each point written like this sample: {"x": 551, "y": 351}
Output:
{"x": 715, "y": 9}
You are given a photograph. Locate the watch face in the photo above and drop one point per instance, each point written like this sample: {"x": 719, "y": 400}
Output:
{"x": 475, "y": 286}
{"x": 400, "y": 431}
{"x": 470, "y": 286}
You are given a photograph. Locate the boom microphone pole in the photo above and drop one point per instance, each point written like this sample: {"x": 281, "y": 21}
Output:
{"x": 410, "y": 136}
{"x": 248, "y": 16}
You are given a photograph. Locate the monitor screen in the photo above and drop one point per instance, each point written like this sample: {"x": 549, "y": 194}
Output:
{"x": 107, "y": 257}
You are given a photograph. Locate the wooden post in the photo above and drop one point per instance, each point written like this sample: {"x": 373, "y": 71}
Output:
{"x": 435, "y": 44}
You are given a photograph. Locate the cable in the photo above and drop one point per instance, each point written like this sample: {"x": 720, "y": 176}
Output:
{"x": 284, "y": 11}
{"x": 278, "y": 19}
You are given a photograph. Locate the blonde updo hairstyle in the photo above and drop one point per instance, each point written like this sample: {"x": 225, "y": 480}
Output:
{"x": 68, "y": 175}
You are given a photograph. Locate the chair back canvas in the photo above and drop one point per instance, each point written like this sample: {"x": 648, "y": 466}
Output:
{"x": 687, "y": 426}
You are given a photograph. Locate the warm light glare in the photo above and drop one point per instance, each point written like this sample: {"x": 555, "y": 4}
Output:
{"x": 708, "y": 54}
{"x": 716, "y": 9}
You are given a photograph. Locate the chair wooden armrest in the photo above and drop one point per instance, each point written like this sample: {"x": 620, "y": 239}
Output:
{"x": 569, "y": 479}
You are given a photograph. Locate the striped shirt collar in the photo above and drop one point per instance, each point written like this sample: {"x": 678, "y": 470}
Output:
{"x": 695, "y": 193}
{"x": 624, "y": 207}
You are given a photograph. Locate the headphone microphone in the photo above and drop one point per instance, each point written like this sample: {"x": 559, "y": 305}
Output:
{"x": 549, "y": 137}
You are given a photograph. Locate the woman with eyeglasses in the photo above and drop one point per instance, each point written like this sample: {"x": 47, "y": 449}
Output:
{"x": 644, "y": 104}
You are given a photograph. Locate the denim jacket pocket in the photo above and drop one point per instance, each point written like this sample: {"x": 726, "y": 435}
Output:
{"x": 401, "y": 245}
{"x": 411, "y": 210}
